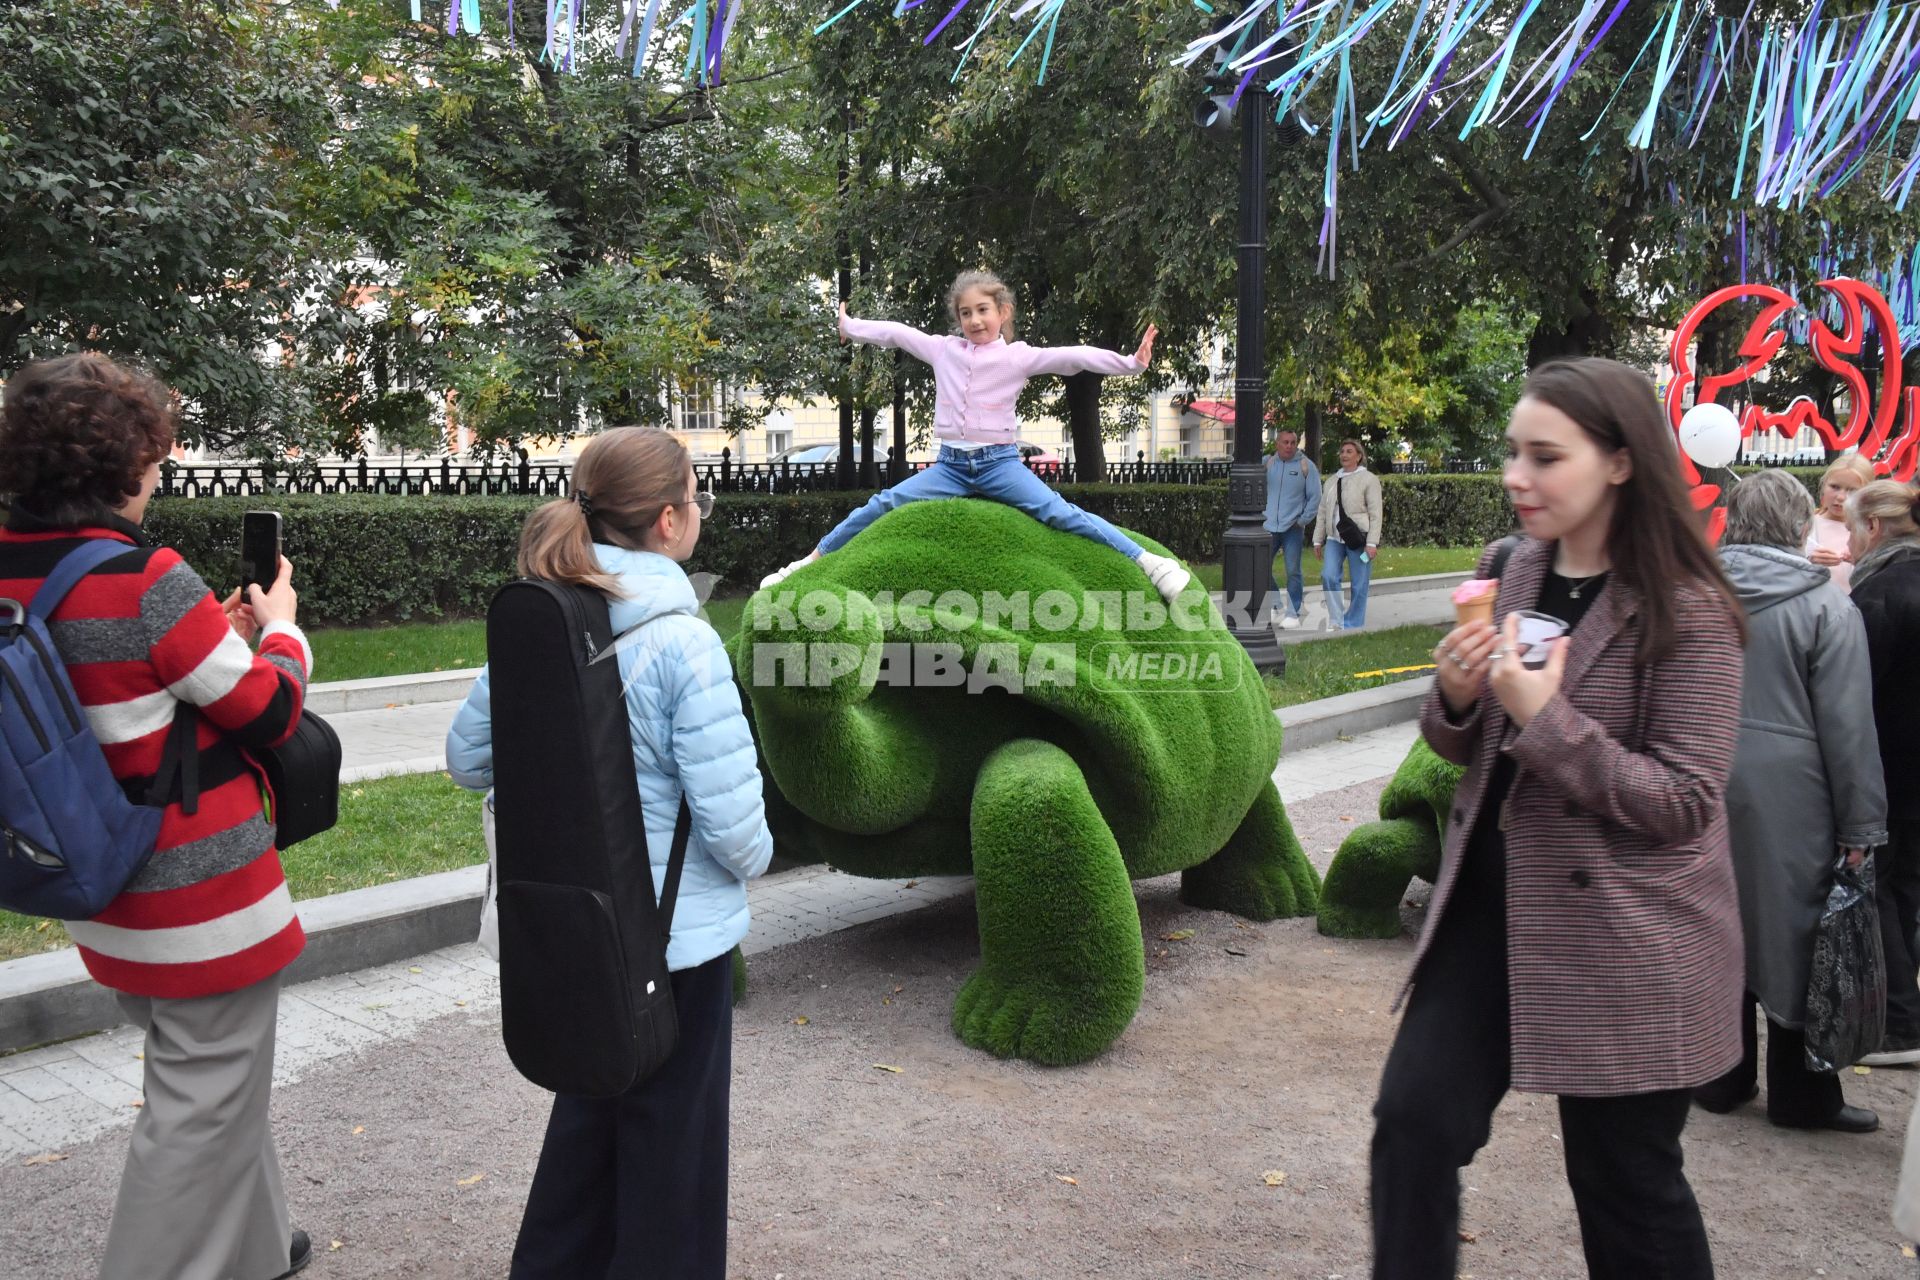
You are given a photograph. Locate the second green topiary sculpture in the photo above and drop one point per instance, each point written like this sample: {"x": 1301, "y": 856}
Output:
{"x": 1376, "y": 862}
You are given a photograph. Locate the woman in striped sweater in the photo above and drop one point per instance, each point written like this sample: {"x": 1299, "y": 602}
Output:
{"x": 195, "y": 946}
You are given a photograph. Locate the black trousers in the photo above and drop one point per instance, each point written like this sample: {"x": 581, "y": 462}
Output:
{"x": 1897, "y": 892}
{"x": 1449, "y": 1067}
{"x": 1795, "y": 1094}
{"x": 635, "y": 1187}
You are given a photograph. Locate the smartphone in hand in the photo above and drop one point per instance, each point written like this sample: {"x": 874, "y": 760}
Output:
{"x": 259, "y": 549}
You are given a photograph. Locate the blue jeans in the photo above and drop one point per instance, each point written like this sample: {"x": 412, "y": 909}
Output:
{"x": 1293, "y": 542}
{"x": 996, "y": 473}
{"x": 1352, "y": 614}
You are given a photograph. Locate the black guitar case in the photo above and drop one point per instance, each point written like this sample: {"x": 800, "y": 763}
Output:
{"x": 586, "y": 1005}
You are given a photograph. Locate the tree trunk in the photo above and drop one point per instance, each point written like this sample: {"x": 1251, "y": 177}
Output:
{"x": 1586, "y": 333}
{"x": 869, "y": 469}
{"x": 897, "y": 471}
{"x": 843, "y": 252}
{"x": 1083, "y": 419}
{"x": 1316, "y": 429}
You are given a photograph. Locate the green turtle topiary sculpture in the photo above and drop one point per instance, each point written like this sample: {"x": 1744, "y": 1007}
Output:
{"x": 1376, "y": 862}
{"x": 1085, "y": 745}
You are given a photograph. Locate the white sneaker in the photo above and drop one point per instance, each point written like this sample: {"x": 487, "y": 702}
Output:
{"x": 1291, "y": 622}
{"x": 779, "y": 575}
{"x": 1168, "y": 576}
{"x": 1891, "y": 1058}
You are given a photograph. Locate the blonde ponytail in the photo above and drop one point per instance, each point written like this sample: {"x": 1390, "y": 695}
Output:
{"x": 624, "y": 479}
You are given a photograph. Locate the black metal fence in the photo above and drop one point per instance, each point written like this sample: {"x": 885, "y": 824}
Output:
{"x": 546, "y": 478}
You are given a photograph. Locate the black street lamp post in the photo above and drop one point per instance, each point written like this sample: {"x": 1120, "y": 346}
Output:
{"x": 1246, "y": 551}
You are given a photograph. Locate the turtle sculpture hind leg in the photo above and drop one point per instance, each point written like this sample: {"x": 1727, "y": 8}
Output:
{"x": 1061, "y": 961}
{"x": 1261, "y": 873}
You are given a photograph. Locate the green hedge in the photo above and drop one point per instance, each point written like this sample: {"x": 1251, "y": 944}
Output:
{"x": 372, "y": 558}
{"x": 365, "y": 558}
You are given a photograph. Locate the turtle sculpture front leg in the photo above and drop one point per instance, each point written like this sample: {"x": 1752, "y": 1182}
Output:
{"x": 1061, "y": 961}
{"x": 1261, "y": 873}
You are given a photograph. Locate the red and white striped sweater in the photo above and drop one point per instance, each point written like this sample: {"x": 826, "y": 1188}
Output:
{"x": 210, "y": 912}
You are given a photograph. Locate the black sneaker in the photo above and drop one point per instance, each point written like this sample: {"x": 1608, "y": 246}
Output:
{"x": 298, "y": 1256}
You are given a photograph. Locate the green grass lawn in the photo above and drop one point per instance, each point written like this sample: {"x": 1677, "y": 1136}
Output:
{"x": 388, "y": 830}
{"x": 1394, "y": 562}
{"x": 1342, "y": 664}
{"x": 354, "y": 653}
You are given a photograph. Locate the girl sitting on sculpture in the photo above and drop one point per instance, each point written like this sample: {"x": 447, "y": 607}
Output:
{"x": 978, "y": 376}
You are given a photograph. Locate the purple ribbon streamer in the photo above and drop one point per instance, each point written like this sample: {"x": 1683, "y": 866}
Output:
{"x": 453, "y": 17}
{"x": 944, "y": 22}
{"x": 715, "y": 30}
{"x": 1579, "y": 62}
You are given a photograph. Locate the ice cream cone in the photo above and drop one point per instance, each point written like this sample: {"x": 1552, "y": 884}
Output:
{"x": 1481, "y": 596}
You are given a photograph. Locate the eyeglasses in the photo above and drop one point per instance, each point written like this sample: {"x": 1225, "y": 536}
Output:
{"x": 702, "y": 502}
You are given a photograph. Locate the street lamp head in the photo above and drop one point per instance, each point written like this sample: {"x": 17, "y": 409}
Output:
{"x": 1214, "y": 114}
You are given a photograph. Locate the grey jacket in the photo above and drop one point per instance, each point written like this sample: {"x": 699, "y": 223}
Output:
{"x": 1806, "y": 775}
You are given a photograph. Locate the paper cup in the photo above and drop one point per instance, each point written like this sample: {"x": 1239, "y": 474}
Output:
{"x": 1538, "y": 631}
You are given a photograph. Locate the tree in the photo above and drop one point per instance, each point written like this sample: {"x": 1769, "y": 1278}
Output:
{"x": 145, "y": 155}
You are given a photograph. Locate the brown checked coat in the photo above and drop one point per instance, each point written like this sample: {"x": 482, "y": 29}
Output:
{"x": 1624, "y": 958}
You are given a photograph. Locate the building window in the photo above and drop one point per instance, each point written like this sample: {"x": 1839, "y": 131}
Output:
{"x": 697, "y": 408}
{"x": 779, "y": 440}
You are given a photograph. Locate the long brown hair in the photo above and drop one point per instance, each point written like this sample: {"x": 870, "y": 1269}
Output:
{"x": 1655, "y": 543}
{"x": 624, "y": 479}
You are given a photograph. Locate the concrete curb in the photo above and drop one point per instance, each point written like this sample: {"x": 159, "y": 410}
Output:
{"x": 1347, "y": 715}
{"x": 379, "y": 692}
{"x": 49, "y": 996}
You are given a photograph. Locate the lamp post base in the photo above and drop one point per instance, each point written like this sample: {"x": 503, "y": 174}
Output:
{"x": 1246, "y": 565}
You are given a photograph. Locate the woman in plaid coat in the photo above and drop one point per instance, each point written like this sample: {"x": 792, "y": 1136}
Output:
{"x": 1584, "y": 935}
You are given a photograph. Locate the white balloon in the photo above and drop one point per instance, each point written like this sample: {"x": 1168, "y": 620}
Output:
{"x": 1710, "y": 434}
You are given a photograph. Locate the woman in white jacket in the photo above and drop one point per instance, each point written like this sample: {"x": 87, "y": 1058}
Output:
{"x": 1352, "y": 492}
{"x": 637, "y": 1185}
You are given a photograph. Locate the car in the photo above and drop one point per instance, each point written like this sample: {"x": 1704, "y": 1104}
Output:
{"x": 1031, "y": 453}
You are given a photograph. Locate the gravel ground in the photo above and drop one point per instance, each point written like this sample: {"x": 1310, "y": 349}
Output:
{"x": 1255, "y": 1053}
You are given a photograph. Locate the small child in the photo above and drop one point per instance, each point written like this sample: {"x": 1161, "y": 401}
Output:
{"x": 978, "y": 375}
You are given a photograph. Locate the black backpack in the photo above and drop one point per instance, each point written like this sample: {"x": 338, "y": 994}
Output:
{"x": 586, "y": 1005}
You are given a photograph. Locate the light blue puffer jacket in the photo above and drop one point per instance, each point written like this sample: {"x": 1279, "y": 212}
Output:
{"x": 688, "y": 733}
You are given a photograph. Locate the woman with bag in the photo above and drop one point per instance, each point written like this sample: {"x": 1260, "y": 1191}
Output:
{"x": 1346, "y": 535}
{"x": 1583, "y": 938}
{"x": 637, "y": 1184}
{"x": 1886, "y": 590}
{"x": 194, "y": 947}
{"x": 1806, "y": 790}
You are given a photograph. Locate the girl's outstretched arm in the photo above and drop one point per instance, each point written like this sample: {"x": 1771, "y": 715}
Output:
{"x": 887, "y": 333}
{"x": 1065, "y": 360}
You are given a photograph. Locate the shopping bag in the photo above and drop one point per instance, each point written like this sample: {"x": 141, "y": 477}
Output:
{"x": 1847, "y": 988}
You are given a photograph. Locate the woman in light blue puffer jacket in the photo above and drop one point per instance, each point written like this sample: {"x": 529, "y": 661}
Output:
{"x": 637, "y": 1185}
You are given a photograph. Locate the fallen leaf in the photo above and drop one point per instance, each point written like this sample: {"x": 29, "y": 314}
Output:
{"x": 1162, "y": 954}
{"x": 898, "y": 990}
{"x": 1906, "y": 1251}
{"x": 909, "y": 884}
{"x": 1274, "y": 1178}
{"x": 467, "y": 1182}
{"x": 43, "y": 926}
{"x": 1346, "y": 817}
{"x": 1467, "y": 1237}
{"x": 800, "y": 1021}
{"x": 1072, "y": 1182}
{"x": 1863, "y": 1071}
{"x": 1242, "y": 924}
{"x": 333, "y": 1245}
{"x": 881, "y": 1066}
{"x": 413, "y": 968}
{"x": 373, "y": 1008}
{"x": 359, "y": 1128}
{"x": 49, "y": 1157}
{"x": 1230, "y": 951}
{"x": 138, "y": 1102}
{"x": 1178, "y": 935}
{"x": 460, "y": 1004}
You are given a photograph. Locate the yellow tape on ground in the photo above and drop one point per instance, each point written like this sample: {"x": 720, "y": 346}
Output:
{"x": 1392, "y": 671}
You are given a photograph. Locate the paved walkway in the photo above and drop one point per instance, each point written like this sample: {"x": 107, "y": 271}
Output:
{"x": 412, "y": 739}
{"x": 54, "y": 1097}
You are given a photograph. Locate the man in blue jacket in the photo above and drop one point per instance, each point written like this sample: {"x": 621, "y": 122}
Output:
{"x": 1293, "y": 502}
